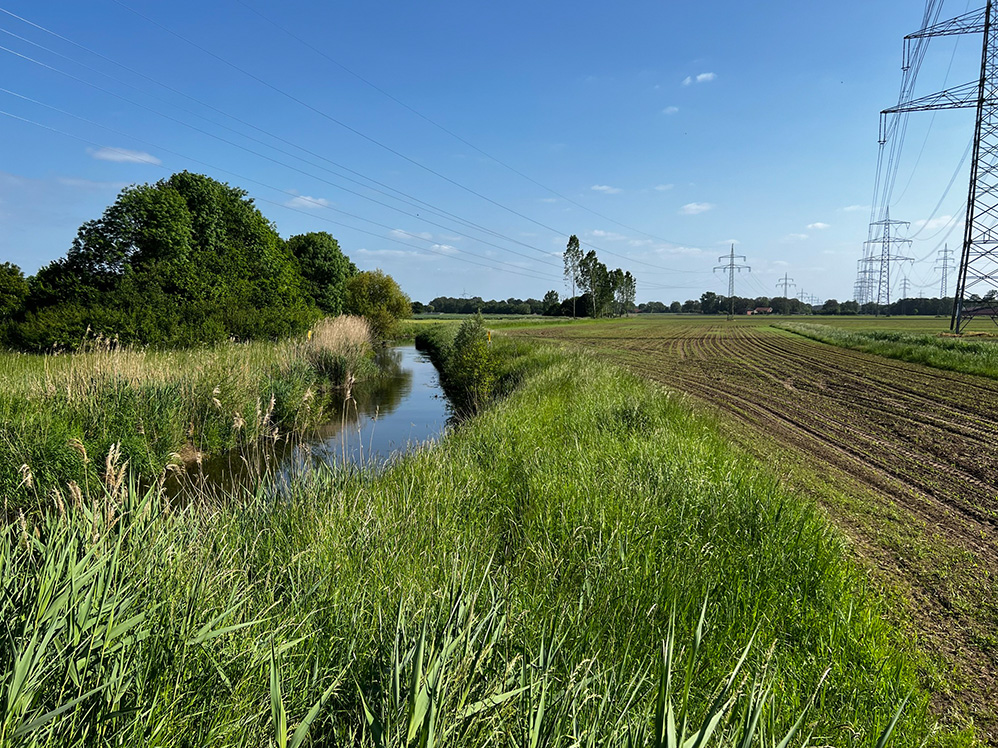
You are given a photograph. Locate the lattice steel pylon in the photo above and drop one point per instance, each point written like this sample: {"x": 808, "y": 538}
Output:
{"x": 786, "y": 282}
{"x": 880, "y": 264}
{"x": 978, "y": 270}
{"x": 944, "y": 257}
{"x": 730, "y": 269}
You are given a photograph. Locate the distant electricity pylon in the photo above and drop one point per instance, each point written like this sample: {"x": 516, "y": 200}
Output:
{"x": 730, "y": 269}
{"x": 880, "y": 265}
{"x": 786, "y": 283}
{"x": 979, "y": 257}
{"x": 944, "y": 257}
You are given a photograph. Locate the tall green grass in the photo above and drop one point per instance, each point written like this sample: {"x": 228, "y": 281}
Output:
{"x": 586, "y": 563}
{"x": 61, "y": 415}
{"x": 967, "y": 355}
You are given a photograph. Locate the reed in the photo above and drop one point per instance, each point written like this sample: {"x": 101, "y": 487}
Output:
{"x": 162, "y": 407}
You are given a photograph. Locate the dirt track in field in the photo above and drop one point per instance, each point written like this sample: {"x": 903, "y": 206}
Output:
{"x": 918, "y": 445}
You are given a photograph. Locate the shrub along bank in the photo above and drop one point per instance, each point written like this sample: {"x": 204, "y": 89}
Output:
{"x": 526, "y": 581}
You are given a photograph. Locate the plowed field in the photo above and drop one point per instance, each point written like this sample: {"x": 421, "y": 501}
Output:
{"x": 903, "y": 457}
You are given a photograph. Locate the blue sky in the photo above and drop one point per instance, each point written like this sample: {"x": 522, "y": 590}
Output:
{"x": 479, "y": 136}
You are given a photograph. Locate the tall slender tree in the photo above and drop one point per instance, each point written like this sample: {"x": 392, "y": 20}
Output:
{"x": 573, "y": 264}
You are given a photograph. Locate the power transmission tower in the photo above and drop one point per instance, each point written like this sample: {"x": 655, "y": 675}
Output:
{"x": 786, "y": 283}
{"x": 730, "y": 269}
{"x": 905, "y": 285}
{"x": 866, "y": 274}
{"x": 979, "y": 257}
{"x": 944, "y": 257}
{"x": 880, "y": 265}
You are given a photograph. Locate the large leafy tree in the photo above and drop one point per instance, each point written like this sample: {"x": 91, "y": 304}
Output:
{"x": 377, "y": 296}
{"x": 185, "y": 260}
{"x": 324, "y": 268}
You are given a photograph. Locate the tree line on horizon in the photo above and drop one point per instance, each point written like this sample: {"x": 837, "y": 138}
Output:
{"x": 188, "y": 261}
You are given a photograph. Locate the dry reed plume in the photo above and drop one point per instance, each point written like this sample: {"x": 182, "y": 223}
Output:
{"x": 345, "y": 335}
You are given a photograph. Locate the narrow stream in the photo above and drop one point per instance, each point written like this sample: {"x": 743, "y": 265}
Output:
{"x": 387, "y": 416}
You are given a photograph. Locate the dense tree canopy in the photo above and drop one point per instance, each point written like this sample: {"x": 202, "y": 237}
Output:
{"x": 182, "y": 261}
{"x": 324, "y": 268}
{"x": 377, "y": 297}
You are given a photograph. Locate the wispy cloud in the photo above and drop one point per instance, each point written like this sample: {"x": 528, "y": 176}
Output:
{"x": 670, "y": 110}
{"x": 689, "y": 80}
{"x": 304, "y": 202}
{"x": 548, "y": 200}
{"x": 400, "y": 234}
{"x": 664, "y": 187}
{"x": 606, "y": 189}
{"x": 692, "y": 209}
{"x": 818, "y": 226}
{"x": 609, "y": 235}
{"x": 396, "y": 253}
{"x": 795, "y": 237}
{"x": 89, "y": 184}
{"x": 855, "y": 208}
{"x": 123, "y": 156}
{"x": 934, "y": 223}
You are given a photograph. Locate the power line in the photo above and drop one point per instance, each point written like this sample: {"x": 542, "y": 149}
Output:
{"x": 444, "y": 129}
{"x": 258, "y": 154}
{"x": 364, "y": 136}
{"x": 241, "y": 177}
{"x": 325, "y": 115}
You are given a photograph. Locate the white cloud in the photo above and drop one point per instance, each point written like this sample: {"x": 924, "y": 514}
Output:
{"x": 397, "y": 253}
{"x": 300, "y": 202}
{"x": 818, "y": 226}
{"x": 400, "y": 234}
{"x": 664, "y": 187}
{"x": 689, "y": 80}
{"x": 600, "y": 234}
{"x": 682, "y": 251}
{"x": 795, "y": 237}
{"x": 692, "y": 209}
{"x": 934, "y": 223}
{"x": 89, "y": 184}
{"x": 446, "y": 249}
{"x": 670, "y": 110}
{"x": 640, "y": 242}
{"x": 606, "y": 189}
{"x": 855, "y": 208}
{"x": 548, "y": 200}
{"x": 123, "y": 156}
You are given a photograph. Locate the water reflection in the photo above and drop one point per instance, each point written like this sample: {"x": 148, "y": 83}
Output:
{"x": 385, "y": 416}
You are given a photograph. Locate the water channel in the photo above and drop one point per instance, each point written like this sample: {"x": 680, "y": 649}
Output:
{"x": 387, "y": 416}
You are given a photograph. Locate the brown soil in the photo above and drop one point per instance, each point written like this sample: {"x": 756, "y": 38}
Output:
{"x": 915, "y": 448}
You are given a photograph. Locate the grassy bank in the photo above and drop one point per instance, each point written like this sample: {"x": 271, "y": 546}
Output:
{"x": 61, "y": 416}
{"x": 513, "y": 585}
{"x": 966, "y": 355}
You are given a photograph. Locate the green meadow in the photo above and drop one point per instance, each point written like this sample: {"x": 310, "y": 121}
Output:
{"x": 584, "y": 562}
